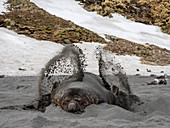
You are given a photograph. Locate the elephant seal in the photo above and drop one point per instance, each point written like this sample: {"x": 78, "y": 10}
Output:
{"x": 77, "y": 90}
{"x": 74, "y": 96}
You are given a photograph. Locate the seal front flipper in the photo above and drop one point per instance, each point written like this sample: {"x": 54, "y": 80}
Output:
{"x": 111, "y": 72}
{"x": 115, "y": 90}
{"x": 115, "y": 79}
{"x": 68, "y": 65}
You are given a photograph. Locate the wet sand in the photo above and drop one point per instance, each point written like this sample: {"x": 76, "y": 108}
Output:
{"x": 154, "y": 112}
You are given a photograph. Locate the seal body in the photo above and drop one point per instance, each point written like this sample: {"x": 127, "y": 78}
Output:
{"x": 77, "y": 89}
{"x": 74, "y": 96}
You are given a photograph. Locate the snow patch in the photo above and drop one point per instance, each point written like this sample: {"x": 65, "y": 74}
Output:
{"x": 21, "y": 52}
{"x": 90, "y": 56}
{"x": 2, "y": 6}
{"x": 129, "y": 63}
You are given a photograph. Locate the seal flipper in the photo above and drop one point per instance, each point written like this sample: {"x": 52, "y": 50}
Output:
{"x": 78, "y": 63}
{"x": 118, "y": 83}
{"x": 102, "y": 73}
{"x": 115, "y": 90}
{"x": 30, "y": 106}
{"x": 67, "y": 66}
{"x": 67, "y": 63}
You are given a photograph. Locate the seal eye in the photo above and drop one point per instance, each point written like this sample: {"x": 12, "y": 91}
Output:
{"x": 79, "y": 100}
{"x": 66, "y": 100}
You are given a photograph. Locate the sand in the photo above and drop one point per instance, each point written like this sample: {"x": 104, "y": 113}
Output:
{"x": 153, "y": 112}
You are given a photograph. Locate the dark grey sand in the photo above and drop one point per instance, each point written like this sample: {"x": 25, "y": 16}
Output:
{"x": 153, "y": 113}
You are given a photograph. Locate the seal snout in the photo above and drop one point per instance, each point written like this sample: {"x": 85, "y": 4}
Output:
{"x": 73, "y": 106}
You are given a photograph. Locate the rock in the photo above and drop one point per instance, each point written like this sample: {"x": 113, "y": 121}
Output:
{"x": 164, "y": 81}
{"x": 148, "y": 70}
{"x": 153, "y": 75}
{"x": 154, "y": 82}
{"x": 110, "y": 37}
{"x": 2, "y": 76}
{"x": 162, "y": 76}
{"x": 22, "y": 69}
{"x": 92, "y": 1}
{"x": 67, "y": 41}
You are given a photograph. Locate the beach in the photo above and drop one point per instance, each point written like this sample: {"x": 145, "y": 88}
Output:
{"x": 152, "y": 112}
{"x": 22, "y": 58}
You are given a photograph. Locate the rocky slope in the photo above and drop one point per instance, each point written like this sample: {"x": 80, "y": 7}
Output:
{"x": 24, "y": 17}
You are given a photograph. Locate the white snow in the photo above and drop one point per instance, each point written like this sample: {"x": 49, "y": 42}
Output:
{"x": 117, "y": 26}
{"x": 19, "y": 51}
{"x": 90, "y": 55}
{"x": 129, "y": 63}
{"x": 2, "y": 7}
{"x": 132, "y": 63}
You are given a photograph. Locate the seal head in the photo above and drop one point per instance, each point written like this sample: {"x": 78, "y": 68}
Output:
{"x": 73, "y": 99}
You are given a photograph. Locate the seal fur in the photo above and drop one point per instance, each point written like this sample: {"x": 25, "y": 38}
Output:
{"x": 74, "y": 96}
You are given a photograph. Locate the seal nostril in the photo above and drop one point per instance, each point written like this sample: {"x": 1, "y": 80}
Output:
{"x": 72, "y": 107}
